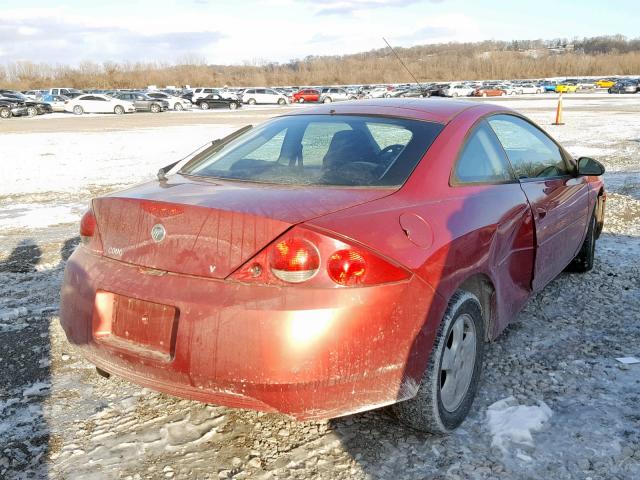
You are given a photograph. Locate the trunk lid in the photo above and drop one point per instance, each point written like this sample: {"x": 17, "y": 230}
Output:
{"x": 209, "y": 228}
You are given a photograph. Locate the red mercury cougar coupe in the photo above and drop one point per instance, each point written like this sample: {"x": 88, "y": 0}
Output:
{"x": 333, "y": 260}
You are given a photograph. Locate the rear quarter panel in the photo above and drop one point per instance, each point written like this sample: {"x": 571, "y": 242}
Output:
{"x": 471, "y": 230}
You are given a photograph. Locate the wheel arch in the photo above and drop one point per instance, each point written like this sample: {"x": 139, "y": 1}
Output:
{"x": 481, "y": 285}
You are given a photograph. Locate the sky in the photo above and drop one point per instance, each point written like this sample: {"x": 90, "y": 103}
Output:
{"x": 254, "y": 32}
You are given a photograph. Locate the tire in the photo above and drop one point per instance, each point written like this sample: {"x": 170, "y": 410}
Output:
{"x": 503, "y": 94}
{"x": 251, "y": 101}
{"x": 118, "y": 110}
{"x": 583, "y": 261}
{"x": 78, "y": 110}
{"x": 204, "y": 106}
{"x": 430, "y": 410}
{"x": 32, "y": 111}
{"x": 455, "y": 94}
{"x": 538, "y": 92}
{"x": 5, "y": 112}
{"x": 281, "y": 101}
{"x": 178, "y": 107}
{"x": 301, "y": 100}
{"x": 484, "y": 94}
{"x": 155, "y": 108}
{"x": 327, "y": 100}
{"x": 233, "y": 106}
{"x": 386, "y": 95}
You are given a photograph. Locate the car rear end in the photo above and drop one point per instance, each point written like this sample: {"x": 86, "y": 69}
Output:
{"x": 225, "y": 292}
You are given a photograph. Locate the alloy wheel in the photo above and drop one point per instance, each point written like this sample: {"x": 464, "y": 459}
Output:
{"x": 458, "y": 362}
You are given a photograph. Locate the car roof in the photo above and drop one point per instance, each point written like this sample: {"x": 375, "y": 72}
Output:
{"x": 426, "y": 109}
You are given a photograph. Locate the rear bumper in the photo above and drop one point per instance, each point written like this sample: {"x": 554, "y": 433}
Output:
{"x": 309, "y": 353}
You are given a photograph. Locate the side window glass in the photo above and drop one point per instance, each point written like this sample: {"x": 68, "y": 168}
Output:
{"x": 482, "y": 159}
{"x": 531, "y": 152}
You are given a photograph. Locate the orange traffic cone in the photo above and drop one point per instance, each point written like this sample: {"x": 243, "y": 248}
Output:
{"x": 559, "y": 112}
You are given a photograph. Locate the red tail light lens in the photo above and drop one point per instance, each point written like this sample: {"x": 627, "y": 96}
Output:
{"x": 87, "y": 226}
{"x": 347, "y": 267}
{"x": 316, "y": 260}
{"x": 294, "y": 260}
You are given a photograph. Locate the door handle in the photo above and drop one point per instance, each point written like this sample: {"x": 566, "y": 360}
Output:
{"x": 541, "y": 212}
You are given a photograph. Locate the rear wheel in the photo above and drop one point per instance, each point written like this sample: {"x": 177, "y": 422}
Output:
{"x": 301, "y": 100}
{"x": 233, "y": 106}
{"x": 327, "y": 100}
{"x": 281, "y": 101}
{"x": 118, "y": 110}
{"x": 251, "y": 101}
{"x": 5, "y": 112}
{"x": 204, "y": 106}
{"x": 155, "y": 108}
{"x": 484, "y": 94}
{"x": 32, "y": 111}
{"x": 178, "y": 107}
{"x": 451, "y": 380}
{"x": 78, "y": 110}
{"x": 583, "y": 261}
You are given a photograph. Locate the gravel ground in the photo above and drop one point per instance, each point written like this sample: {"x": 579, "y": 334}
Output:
{"x": 60, "y": 420}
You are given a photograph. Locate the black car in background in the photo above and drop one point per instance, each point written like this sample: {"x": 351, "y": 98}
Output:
{"x": 11, "y": 108}
{"x": 33, "y": 107}
{"x": 625, "y": 87}
{"x": 143, "y": 102}
{"x": 216, "y": 101}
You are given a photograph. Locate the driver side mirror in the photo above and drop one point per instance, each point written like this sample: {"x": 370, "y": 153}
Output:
{"x": 589, "y": 166}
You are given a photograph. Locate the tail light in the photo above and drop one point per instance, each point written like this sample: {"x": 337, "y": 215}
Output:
{"x": 294, "y": 260}
{"x": 312, "y": 259}
{"x": 89, "y": 235}
{"x": 87, "y": 226}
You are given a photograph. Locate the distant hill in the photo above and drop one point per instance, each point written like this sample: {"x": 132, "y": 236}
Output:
{"x": 608, "y": 55}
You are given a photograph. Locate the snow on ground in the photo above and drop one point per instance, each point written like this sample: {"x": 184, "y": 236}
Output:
{"x": 59, "y": 420}
{"x": 510, "y": 423}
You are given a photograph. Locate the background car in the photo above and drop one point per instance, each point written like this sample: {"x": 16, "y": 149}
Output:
{"x": 605, "y": 83}
{"x": 143, "y": 102}
{"x": 566, "y": 87}
{"x": 306, "y": 95}
{"x": 529, "y": 88}
{"x": 202, "y": 92}
{"x": 57, "y": 102}
{"x": 175, "y": 102}
{"x": 627, "y": 86}
{"x": 254, "y": 96}
{"x": 458, "y": 90}
{"x": 216, "y": 101}
{"x": 489, "y": 92}
{"x": 10, "y": 107}
{"x": 34, "y": 107}
{"x": 95, "y": 103}
{"x": 335, "y": 94}
{"x": 377, "y": 92}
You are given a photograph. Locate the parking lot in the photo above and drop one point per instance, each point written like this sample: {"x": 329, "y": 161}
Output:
{"x": 561, "y": 351}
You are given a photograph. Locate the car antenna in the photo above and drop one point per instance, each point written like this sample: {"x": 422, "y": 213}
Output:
{"x": 403, "y": 64}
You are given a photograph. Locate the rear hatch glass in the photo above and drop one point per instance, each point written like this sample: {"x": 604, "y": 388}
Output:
{"x": 332, "y": 150}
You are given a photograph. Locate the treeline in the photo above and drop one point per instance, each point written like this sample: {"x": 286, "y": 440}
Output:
{"x": 611, "y": 55}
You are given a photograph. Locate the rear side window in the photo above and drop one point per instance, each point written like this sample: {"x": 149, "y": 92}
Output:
{"x": 531, "y": 152}
{"x": 482, "y": 159}
{"x": 338, "y": 150}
